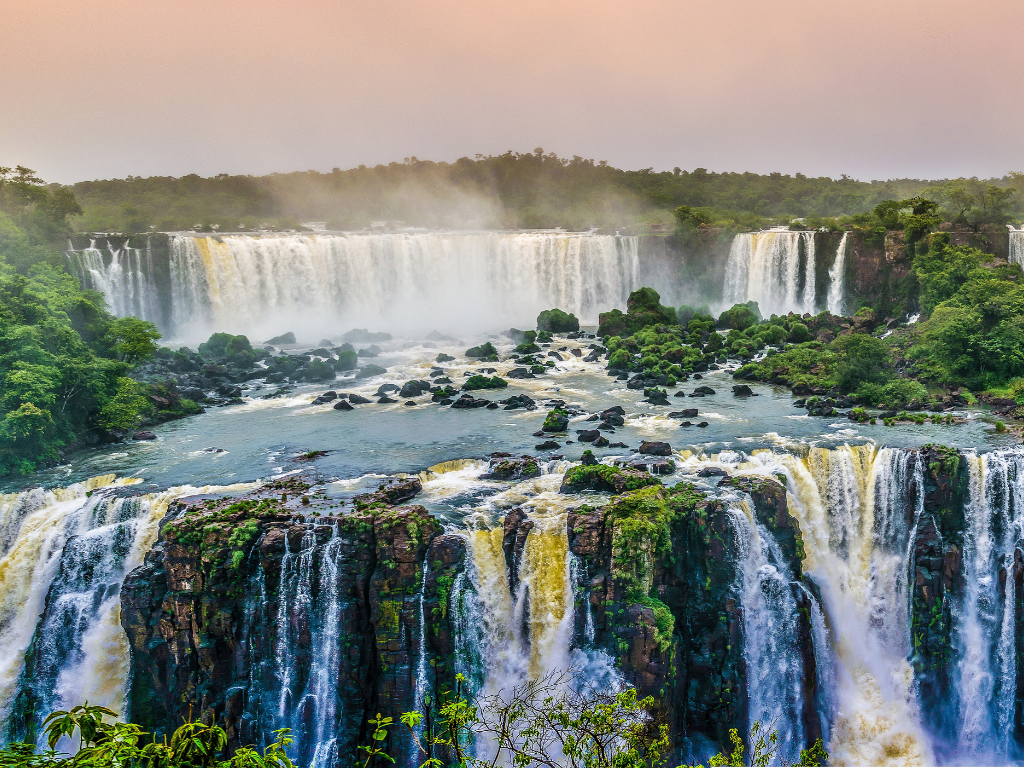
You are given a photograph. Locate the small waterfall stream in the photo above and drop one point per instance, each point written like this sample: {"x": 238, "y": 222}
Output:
{"x": 1016, "y": 250}
{"x": 837, "y": 278}
{"x": 125, "y": 277}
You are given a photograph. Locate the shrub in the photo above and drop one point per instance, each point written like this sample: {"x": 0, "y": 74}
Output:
{"x": 557, "y": 321}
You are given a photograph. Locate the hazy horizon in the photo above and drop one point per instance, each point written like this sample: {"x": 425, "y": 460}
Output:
{"x": 107, "y": 88}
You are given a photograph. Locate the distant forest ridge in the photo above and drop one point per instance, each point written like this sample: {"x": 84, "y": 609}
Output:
{"x": 515, "y": 191}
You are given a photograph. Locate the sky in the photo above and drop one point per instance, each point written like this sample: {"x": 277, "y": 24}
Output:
{"x": 875, "y": 89}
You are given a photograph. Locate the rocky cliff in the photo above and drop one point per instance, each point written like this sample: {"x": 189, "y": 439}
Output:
{"x": 233, "y": 615}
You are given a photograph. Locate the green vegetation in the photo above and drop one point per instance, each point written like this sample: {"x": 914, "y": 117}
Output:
{"x": 482, "y": 382}
{"x": 485, "y": 351}
{"x": 522, "y": 190}
{"x": 557, "y": 420}
{"x": 557, "y": 321}
{"x": 123, "y": 745}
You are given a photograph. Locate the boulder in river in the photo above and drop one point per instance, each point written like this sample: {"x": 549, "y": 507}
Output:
{"x": 686, "y": 413}
{"x": 547, "y": 445}
{"x": 601, "y": 442}
{"x": 385, "y": 400}
{"x": 326, "y": 397}
{"x": 383, "y": 389}
{"x": 712, "y": 472}
{"x": 443, "y": 358}
{"x": 742, "y": 390}
{"x": 702, "y": 391}
{"x": 358, "y": 399}
{"x": 284, "y": 338}
{"x": 144, "y": 435}
{"x": 653, "y": 448}
{"x": 520, "y": 373}
{"x": 468, "y": 401}
{"x": 519, "y": 401}
{"x": 587, "y": 435}
{"x": 391, "y": 492}
{"x": 512, "y": 468}
{"x": 342, "y": 405}
{"x": 557, "y": 420}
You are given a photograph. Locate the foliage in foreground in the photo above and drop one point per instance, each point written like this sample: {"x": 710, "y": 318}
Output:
{"x": 123, "y": 745}
{"x": 555, "y": 722}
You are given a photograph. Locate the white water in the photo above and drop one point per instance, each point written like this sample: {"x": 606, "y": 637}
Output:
{"x": 76, "y": 545}
{"x": 318, "y": 285}
{"x": 123, "y": 275}
{"x": 770, "y": 631}
{"x": 767, "y": 267}
{"x": 984, "y": 637}
{"x": 836, "y": 279}
{"x": 1016, "y": 252}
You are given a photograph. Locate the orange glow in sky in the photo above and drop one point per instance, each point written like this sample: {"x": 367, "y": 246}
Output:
{"x": 105, "y": 88}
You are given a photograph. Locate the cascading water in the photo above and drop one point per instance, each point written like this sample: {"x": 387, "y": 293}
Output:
{"x": 459, "y": 281}
{"x": 836, "y": 278}
{"x": 309, "y": 624}
{"x": 984, "y": 631}
{"x": 770, "y": 631}
{"x": 773, "y": 268}
{"x": 123, "y": 275}
{"x": 60, "y": 580}
{"x": 1016, "y": 250}
{"x": 857, "y": 529}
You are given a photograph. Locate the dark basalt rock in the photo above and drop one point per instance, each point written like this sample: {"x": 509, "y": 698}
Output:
{"x": 742, "y": 390}
{"x": 512, "y": 468}
{"x": 519, "y": 401}
{"x": 516, "y": 528}
{"x": 712, "y": 472}
{"x": 547, "y": 445}
{"x": 414, "y": 388}
{"x": 702, "y": 391}
{"x": 702, "y": 424}
{"x": 383, "y": 389}
{"x": 587, "y": 435}
{"x": 144, "y": 435}
{"x": 652, "y": 448}
{"x": 520, "y": 373}
{"x": 686, "y": 413}
{"x": 194, "y": 636}
{"x": 326, "y": 397}
{"x": 391, "y": 492}
{"x": 342, "y": 405}
{"x": 358, "y": 399}
{"x": 601, "y": 442}
{"x": 468, "y": 401}
{"x": 386, "y": 400}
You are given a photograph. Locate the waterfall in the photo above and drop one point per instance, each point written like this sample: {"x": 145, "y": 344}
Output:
{"x": 858, "y": 535}
{"x": 317, "y": 284}
{"x": 770, "y": 631}
{"x": 60, "y": 580}
{"x": 769, "y": 268}
{"x": 836, "y": 278}
{"x": 124, "y": 276}
{"x": 984, "y": 633}
{"x": 309, "y": 624}
{"x": 1016, "y": 250}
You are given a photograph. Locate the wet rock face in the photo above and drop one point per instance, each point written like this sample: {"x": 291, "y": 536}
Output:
{"x": 208, "y": 627}
{"x": 698, "y": 675}
{"x": 936, "y": 578}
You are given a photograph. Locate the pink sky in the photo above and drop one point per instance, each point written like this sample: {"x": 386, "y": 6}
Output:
{"x": 106, "y": 88}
